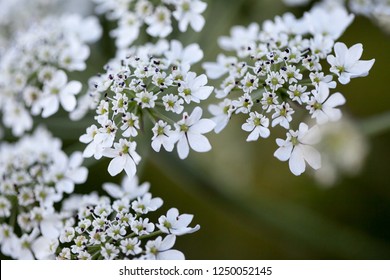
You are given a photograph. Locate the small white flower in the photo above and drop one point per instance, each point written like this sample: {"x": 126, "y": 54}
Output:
{"x": 57, "y": 91}
{"x": 173, "y": 103}
{"x": 177, "y": 55}
{"x": 124, "y": 157}
{"x": 159, "y": 22}
{"x": 346, "y": 63}
{"x": 129, "y": 188}
{"x": 109, "y": 251}
{"x": 44, "y": 248}
{"x": 322, "y": 106}
{"x": 222, "y": 113}
{"x": 189, "y": 133}
{"x": 145, "y": 99}
{"x": 298, "y": 93}
{"x": 189, "y": 12}
{"x": 243, "y": 104}
{"x": 162, "y": 136}
{"x": 194, "y": 88}
{"x": 159, "y": 249}
{"x": 176, "y": 224}
{"x": 146, "y": 203}
{"x": 283, "y": 115}
{"x": 5, "y": 207}
{"x": 215, "y": 70}
{"x": 142, "y": 226}
{"x": 131, "y": 246}
{"x": 297, "y": 149}
{"x": 257, "y": 124}
{"x": 130, "y": 125}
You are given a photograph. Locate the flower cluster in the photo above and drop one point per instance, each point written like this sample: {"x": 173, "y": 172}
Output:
{"x": 154, "y": 83}
{"x": 287, "y": 66}
{"x": 156, "y": 15}
{"x": 120, "y": 229}
{"x": 377, "y": 10}
{"x": 35, "y": 173}
{"x": 33, "y": 69}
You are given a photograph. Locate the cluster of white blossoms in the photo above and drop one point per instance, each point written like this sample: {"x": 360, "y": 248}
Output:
{"x": 153, "y": 84}
{"x": 120, "y": 228}
{"x": 132, "y": 15}
{"x": 35, "y": 174}
{"x": 377, "y": 10}
{"x": 34, "y": 69}
{"x": 288, "y": 67}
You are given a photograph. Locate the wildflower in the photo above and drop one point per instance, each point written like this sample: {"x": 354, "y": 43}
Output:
{"x": 297, "y": 149}
{"x": 189, "y": 133}
{"x": 257, "y": 124}
{"x": 346, "y": 63}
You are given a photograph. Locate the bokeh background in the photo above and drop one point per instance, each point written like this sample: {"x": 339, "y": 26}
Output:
{"x": 248, "y": 203}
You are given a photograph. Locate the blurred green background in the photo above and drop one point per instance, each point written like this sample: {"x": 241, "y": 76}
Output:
{"x": 248, "y": 204}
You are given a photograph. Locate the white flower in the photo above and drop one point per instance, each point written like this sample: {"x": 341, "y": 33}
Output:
{"x": 162, "y": 136}
{"x": 159, "y": 22}
{"x": 178, "y": 55}
{"x": 124, "y": 157}
{"x": 215, "y": 70}
{"x": 193, "y": 88}
{"x": 129, "y": 188}
{"x": 67, "y": 172}
{"x": 130, "y": 246}
{"x": 298, "y": 93}
{"x": 257, "y": 124}
{"x": 323, "y": 108}
{"x": 130, "y": 125}
{"x": 346, "y": 63}
{"x": 5, "y": 207}
{"x": 142, "y": 226}
{"x": 127, "y": 31}
{"x": 328, "y": 22}
{"x": 145, "y": 99}
{"x": 176, "y": 224}
{"x": 109, "y": 251}
{"x": 44, "y": 248}
{"x": 222, "y": 113}
{"x": 173, "y": 103}
{"x": 189, "y": 133}
{"x": 297, "y": 149}
{"x": 146, "y": 203}
{"x": 57, "y": 91}
{"x": 159, "y": 249}
{"x": 22, "y": 246}
{"x": 189, "y": 12}
{"x": 282, "y": 115}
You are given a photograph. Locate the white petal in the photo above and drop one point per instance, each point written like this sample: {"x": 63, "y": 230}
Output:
{"x": 335, "y": 99}
{"x": 297, "y": 163}
{"x": 203, "y": 93}
{"x": 312, "y": 156}
{"x": 340, "y": 50}
{"x": 113, "y": 190}
{"x": 171, "y": 255}
{"x": 253, "y": 136}
{"x": 182, "y": 148}
{"x": 116, "y": 165}
{"x": 50, "y": 106}
{"x": 130, "y": 167}
{"x": 198, "y": 142}
{"x": 361, "y": 68}
{"x": 167, "y": 242}
{"x": 354, "y": 54}
{"x": 203, "y": 126}
{"x": 68, "y": 101}
{"x": 195, "y": 115}
{"x": 283, "y": 153}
